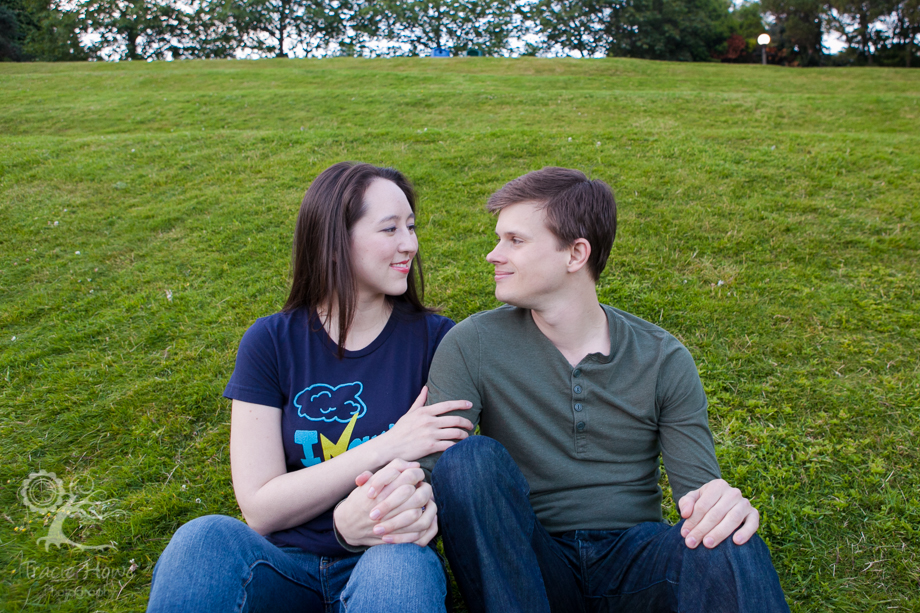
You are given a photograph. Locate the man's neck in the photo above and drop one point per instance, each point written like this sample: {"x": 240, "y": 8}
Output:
{"x": 576, "y": 325}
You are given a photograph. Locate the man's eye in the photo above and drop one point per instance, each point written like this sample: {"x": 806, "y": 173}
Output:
{"x": 516, "y": 241}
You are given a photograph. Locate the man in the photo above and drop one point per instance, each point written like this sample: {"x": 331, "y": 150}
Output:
{"x": 557, "y": 506}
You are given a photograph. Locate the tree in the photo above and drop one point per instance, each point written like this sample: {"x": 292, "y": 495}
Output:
{"x": 275, "y": 27}
{"x": 857, "y": 21}
{"x": 686, "y": 30}
{"x": 904, "y": 24}
{"x": 460, "y": 25}
{"x": 797, "y": 29}
{"x": 10, "y": 35}
{"x": 135, "y": 29}
{"x": 44, "y": 32}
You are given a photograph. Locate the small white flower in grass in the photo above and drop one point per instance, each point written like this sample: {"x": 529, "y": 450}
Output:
{"x": 773, "y": 148}
{"x": 132, "y": 151}
{"x": 56, "y": 223}
{"x": 720, "y": 283}
{"x": 570, "y": 139}
{"x": 76, "y": 253}
{"x": 90, "y": 291}
{"x": 133, "y": 566}
{"x": 198, "y": 500}
{"x": 183, "y": 487}
{"x": 597, "y": 144}
{"x": 169, "y": 295}
{"x": 13, "y": 339}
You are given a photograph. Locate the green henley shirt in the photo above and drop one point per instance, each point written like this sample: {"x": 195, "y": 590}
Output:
{"x": 586, "y": 438}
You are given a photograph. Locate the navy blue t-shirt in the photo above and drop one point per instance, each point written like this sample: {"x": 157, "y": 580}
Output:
{"x": 330, "y": 405}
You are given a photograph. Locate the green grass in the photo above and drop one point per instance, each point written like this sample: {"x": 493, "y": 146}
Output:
{"x": 768, "y": 217}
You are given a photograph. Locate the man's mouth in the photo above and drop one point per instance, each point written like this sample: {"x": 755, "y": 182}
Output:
{"x": 502, "y": 274}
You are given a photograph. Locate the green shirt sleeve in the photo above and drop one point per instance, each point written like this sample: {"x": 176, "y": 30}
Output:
{"x": 683, "y": 429}
{"x": 454, "y": 375}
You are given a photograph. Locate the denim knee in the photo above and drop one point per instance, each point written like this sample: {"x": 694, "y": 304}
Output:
{"x": 404, "y": 578}
{"x": 470, "y": 463}
{"x": 399, "y": 562}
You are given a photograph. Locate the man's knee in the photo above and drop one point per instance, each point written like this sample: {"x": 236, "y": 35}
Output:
{"x": 472, "y": 466}
{"x": 752, "y": 556}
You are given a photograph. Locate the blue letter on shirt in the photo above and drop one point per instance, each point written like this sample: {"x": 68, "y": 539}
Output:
{"x": 307, "y": 438}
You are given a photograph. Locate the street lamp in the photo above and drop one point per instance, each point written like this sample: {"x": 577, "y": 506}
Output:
{"x": 763, "y": 40}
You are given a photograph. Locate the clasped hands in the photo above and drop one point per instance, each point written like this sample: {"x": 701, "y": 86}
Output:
{"x": 393, "y": 505}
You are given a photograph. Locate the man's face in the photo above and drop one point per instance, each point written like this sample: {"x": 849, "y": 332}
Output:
{"x": 529, "y": 268}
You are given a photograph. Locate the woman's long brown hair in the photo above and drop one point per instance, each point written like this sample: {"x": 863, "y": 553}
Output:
{"x": 323, "y": 274}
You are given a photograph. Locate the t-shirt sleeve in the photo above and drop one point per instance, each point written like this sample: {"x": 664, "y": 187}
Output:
{"x": 686, "y": 443}
{"x": 454, "y": 375}
{"x": 255, "y": 378}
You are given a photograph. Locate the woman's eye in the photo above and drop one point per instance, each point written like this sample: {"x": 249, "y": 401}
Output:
{"x": 411, "y": 227}
{"x": 390, "y": 230}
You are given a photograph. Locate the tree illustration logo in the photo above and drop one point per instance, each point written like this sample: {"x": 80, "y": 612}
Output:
{"x": 44, "y": 493}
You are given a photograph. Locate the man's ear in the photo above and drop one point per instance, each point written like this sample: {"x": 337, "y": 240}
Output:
{"x": 579, "y": 252}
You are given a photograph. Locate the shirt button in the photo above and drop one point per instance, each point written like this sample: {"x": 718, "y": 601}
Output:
{"x": 580, "y": 426}
{"x": 577, "y": 406}
{"x": 577, "y": 389}
{"x": 577, "y": 372}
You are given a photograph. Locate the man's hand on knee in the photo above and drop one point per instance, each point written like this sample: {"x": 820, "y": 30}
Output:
{"x": 715, "y": 511}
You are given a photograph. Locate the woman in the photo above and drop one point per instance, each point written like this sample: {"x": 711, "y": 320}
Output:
{"x": 320, "y": 397}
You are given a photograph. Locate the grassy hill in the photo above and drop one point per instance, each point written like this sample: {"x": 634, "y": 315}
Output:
{"x": 768, "y": 217}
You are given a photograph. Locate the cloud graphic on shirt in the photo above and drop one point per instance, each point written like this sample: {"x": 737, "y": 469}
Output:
{"x": 322, "y": 402}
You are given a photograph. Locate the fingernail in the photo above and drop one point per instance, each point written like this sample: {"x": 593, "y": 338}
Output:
{"x": 375, "y": 514}
{"x": 691, "y": 542}
{"x": 684, "y": 533}
{"x": 708, "y": 542}
{"x": 378, "y": 530}
{"x": 371, "y": 492}
{"x": 469, "y": 405}
{"x": 388, "y": 539}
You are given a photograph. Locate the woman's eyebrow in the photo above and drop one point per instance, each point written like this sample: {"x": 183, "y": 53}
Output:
{"x": 395, "y": 218}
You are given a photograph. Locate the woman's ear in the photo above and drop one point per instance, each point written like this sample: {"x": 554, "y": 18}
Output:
{"x": 579, "y": 252}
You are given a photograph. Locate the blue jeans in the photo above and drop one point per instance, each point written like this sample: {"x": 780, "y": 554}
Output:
{"x": 218, "y": 563}
{"x": 505, "y": 561}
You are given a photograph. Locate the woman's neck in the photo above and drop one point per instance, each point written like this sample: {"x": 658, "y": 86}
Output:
{"x": 371, "y": 317}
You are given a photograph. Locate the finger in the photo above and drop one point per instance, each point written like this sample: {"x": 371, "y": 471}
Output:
{"x": 449, "y": 405}
{"x": 709, "y": 495}
{"x": 420, "y": 401}
{"x": 745, "y": 532}
{"x": 418, "y": 500}
{"x": 731, "y": 521}
{"x": 402, "y": 522}
{"x": 410, "y": 476}
{"x": 715, "y": 515}
{"x": 387, "y": 475}
{"x": 426, "y": 537}
{"x": 363, "y": 477}
{"x": 399, "y": 496}
{"x": 450, "y": 434}
{"x": 454, "y": 421}
{"x": 421, "y": 525}
{"x": 686, "y": 502}
{"x": 408, "y": 537}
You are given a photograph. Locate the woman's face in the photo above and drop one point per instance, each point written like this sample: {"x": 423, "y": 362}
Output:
{"x": 383, "y": 242}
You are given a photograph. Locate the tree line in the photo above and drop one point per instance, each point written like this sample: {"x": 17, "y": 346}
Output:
{"x": 885, "y": 32}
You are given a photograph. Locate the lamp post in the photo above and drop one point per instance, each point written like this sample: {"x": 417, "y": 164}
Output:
{"x": 763, "y": 40}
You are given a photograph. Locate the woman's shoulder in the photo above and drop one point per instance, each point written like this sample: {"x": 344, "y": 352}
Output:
{"x": 277, "y": 326}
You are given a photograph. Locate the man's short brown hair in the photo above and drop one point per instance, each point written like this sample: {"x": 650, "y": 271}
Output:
{"x": 575, "y": 207}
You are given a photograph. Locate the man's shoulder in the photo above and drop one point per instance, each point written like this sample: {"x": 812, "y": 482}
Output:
{"x": 494, "y": 321}
{"x": 643, "y": 331}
